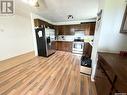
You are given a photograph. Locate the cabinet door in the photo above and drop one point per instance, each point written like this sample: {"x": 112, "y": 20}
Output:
{"x": 92, "y": 29}
{"x": 77, "y": 27}
{"x": 60, "y": 30}
{"x": 54, "y": 45}
{"x": 103, "y": 86}
{"x": 64, "y": 46}
{"x": 107, "y": 68}
{"x": 67, "y": 30}
{"x": 89, "y": 28}
{"x": 58, "y": 45}
{"x": 68, "y": 46}
{"x": 72, "y": 29}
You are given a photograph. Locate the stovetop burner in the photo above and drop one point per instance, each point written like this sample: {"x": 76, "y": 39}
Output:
{"x": 78, "y": 40}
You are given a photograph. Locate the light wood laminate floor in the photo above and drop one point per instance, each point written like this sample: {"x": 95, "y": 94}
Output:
{"x": 58, "y": 74}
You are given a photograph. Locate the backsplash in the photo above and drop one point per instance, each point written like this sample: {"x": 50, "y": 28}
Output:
{"x": 72, "y": 37}
{"x": 88, "y": 38}
{"x": 66, "y": 37}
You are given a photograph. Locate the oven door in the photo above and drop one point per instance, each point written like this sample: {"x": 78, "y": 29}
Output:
{"x": 78, "y": 47}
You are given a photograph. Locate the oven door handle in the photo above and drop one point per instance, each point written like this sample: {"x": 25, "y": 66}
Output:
{"x": 74, "y": 45}
{"x": 81, "y": 46}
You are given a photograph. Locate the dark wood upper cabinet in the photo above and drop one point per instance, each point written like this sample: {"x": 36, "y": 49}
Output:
{"x": 40, "y": 23}
{"x": 65, "y": 30}
{"x": 124, "y": 23}
{"x": 87, "y": 28}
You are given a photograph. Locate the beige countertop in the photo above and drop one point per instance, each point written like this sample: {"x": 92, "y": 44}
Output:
{"x": 91, "y": 43}
{"x": 64, "y": 40}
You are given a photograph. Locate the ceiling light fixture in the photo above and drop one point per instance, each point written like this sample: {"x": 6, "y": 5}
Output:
{"x": 70, "y": 17}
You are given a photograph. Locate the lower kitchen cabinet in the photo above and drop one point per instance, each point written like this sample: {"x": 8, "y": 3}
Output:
{"x": 111, "y": 77}
{"x": 103, "y": 86}
{"x": 54, "y": 45}
{"x": 63, "y": 46}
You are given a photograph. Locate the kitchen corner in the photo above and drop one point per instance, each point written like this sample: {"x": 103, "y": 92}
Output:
{"x": 69, "y": 40}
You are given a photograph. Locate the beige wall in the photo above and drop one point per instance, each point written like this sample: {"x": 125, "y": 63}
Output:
{"x": 15, "y": 35}
{"x": 111, "y": 40}
{"x": 108, "y": 38}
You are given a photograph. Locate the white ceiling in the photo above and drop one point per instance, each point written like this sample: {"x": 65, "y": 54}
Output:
{"x": 57, "y": 10}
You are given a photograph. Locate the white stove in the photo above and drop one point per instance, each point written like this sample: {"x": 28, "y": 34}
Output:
{"x": 78, "y": 47}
